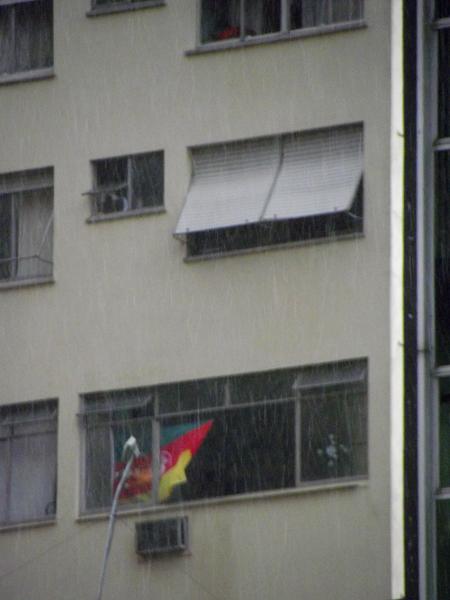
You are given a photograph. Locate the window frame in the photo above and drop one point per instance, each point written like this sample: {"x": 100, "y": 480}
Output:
{"x": 97, "y": 191}
{"x": 151, "y": 397}
{"x": 285, "y": 32}
{"x": 51, "y": 407}
{"x": 42, "y": 72}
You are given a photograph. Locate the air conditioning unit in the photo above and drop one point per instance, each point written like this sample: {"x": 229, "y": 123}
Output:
{"x": 162, "y": 537}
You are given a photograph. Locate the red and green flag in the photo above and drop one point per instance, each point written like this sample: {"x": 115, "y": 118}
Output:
{"x": 178, "y": 445}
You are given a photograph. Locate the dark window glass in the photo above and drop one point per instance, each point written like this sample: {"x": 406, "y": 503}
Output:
{"x": 443, "y": 548}
{"x": 147, "y": 177}
{"x": 112, "y": 180}
{"x": 312, "y": 13}
{"x": 262, "y": 16}
{"x": 444, "y": 435}
{"x": 220, "y": 20}
{"x": 442, "y": 9}
{"x": 246, "y": 450}
{"x": 333, "y": 436}
{"x": 5, "y": 236}
{"x": 275, "y": 233}
{"x": 442, "y": 257}
{"x": 7, "y": 59}
{"x": 34, "y": 35}
{"x": 444, "y": 83}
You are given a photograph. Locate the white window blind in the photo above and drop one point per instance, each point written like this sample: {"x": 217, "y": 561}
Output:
{"x": 284, "y": 177}
{"x": 230, "y": 184}
{"x": 320, "y": 173}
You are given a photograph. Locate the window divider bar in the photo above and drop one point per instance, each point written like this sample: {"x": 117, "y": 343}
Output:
{"x": 242, "y": 20}
{"x": 285, "y": 15}
{"x": 298, "y": 441}
{"x": 130, "y": 182}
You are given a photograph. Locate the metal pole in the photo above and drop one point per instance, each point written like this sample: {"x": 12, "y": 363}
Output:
{"x": 130, "y": 444}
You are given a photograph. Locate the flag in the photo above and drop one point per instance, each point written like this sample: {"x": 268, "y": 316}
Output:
{"x": 178, "y": 445}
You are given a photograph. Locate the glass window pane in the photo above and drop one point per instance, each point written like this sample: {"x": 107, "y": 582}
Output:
{"x": 444, "y": 83}
{"x": 112, "y": 178}
{"x": 191, "y": 395}
{"x": 333, "y": 436}
{"x": 4, "y": 480}
{"x": 274, "y": 385}
{"x": 34, "y": 35}
{"x": 444, "y": 434}
{"x": 442, "y": 9}
{"x": 33, "y": 477}
{"x": 6, "y": 248}
{"x": 443, "y": 548}
{"x": 147, "y": 176}
{"x": 245, "y": 450}
{"x": 98, "y": 475}
{"x": 262, "y": 16}
{"x": 220, "y": 20}
{"x": 442, "y": 257}
{"x": 325, "y": 12}
{"x": 7, "y": 60}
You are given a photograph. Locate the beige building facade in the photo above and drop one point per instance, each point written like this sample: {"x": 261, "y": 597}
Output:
{"x": 147, "y": 119}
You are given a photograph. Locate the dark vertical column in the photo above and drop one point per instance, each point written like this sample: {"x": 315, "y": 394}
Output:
{"x": 410, "y": 301}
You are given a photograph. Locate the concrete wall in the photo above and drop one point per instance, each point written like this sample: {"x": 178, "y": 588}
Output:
{"x": 126, "y": 310}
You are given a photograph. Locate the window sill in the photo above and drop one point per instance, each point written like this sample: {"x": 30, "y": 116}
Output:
{"x": 45, "y": 522}
{"x": 310, "y": 488}
{"x": 22, "y": 76}
{"x": 270, "y": 38}
{"x": 98, "y": 11}
{"x": 140, "y": 212}
{"x": 258, "y": 249}
{"x": 18, "y": 283}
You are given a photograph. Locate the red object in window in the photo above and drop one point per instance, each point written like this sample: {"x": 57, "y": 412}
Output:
{"x": 228, "y": 33}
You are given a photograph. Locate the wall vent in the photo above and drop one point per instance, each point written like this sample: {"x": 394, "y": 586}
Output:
{"x": 162, "y": 537}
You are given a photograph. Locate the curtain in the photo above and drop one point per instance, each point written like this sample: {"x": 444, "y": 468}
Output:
{"x": 6, "y": 41}
{"x": 35, "y": 233}
{"x": 34, "y": 36}
{"x": 33, "y": 476}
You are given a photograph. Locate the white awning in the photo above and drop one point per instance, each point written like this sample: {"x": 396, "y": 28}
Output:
{"x": 320, "y": 173}
{"x": 283, "y": 177}
{"x": 230, "y": 184}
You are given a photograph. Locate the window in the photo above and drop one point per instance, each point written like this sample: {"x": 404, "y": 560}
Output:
{"x": 26, "y": 225}
{"x": 272, "y": 191}
{"x": 106, "y": 6}
{"x": 241, "y": 19}
{"x": 27, "y": 462}
{"x": 231, "y": 435}
{"x": 128, "y": 183}
{"x": 26, "y": 35}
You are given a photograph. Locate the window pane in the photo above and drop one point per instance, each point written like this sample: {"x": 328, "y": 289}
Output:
{"x": 325, "y": 12}
{"x": 147, "y": 176}
{"x": 444, "y": 83}
{"x": 220, "y": 20}
{"x": 5, "y": 236}
{"x": 104, "y": 445}
{"x": 33, "y": 477}
{"x": 333, "y": 436}
{"x": 246, "y": 450}
{"x": 443, "y": 548}
{"x": 112, "y": 177}
{"x": 191, "y": 395}
{"x": 442, "y": 9}
{"x": 274, "y": 385}
{"x": 35, "y": 233}
{"x": 444, "y": 434}
{"x": 4, "y": 481}
{"x": 7, "y": 62}
{"x": 442, "y": 257}
{"x": 34, "y": 35}
{"x": 262, "y": 16}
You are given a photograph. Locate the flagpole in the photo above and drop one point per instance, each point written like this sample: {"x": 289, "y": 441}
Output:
{"x": 129, "y": 446}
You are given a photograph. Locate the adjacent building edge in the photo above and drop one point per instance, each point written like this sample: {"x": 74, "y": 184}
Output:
{"x": 410, "y": 302}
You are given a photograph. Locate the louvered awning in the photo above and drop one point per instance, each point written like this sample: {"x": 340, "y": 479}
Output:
{"x": 230, "y": 185}
{"x": 283, "y": 177}
{"x": 320, "y": 173}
